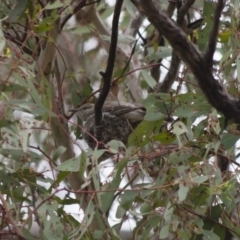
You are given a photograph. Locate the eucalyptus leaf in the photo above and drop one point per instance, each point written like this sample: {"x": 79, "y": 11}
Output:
{"x": 58, "y": 152}
{"x": 200, "y": 179}
{"x": 168, "y": 213}
{"x": 210, "y": 235}
{"x": 2, "y": 38}
{"x": 183, "y": 191}
{"x": 71, "y": 165}
{"x": 10, "y": 87}
{"x": 83, "y": 164}
{"x": 149, "y": 79}
{"x": 18, "y": 10}
{"x": 20, "y": 155}
{"x": 56, "y": 4}
{"x": 164, "y": 232}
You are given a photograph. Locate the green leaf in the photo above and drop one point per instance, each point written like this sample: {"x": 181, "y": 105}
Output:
{"x": 130, "y": 7}
{"x": 179, "y": 128}
{"x": 88, "y": 217}
{"x": 210, "y": 235}
{"x": 149, "y": 79}
{"x": 83, "y": 164}
{"x": 19, "y": 155}
{"x": 164, "y": 137}
{"x": 120, "y": 212}
{"x": 97, "y": 234}
{"x": 127, "y": 199}
{"x": 146, "y": 209}
{"x": 141, "y": 134}
{"x": 200, "y": 179}
{"x": 79, "y": 93}
{"x": 27, "y": 234}
{"x": 179, "y": 156}
{"x": 164, "y": 231}
{"x": 8, "y": 179}
{"x": 5, "y": 123}
{"x": 162, "y": 52}
{"x": 71, "y": 165}
{"x": 24, "y": 139}
{"x": 56, "y": 4}
{"x": 70, "y": 201}
{"x": 115, "y": 146}
{"x": 168, "y": 212}
{"x": 2, "y": 38}
{"x": 60, "y": 177}
{"x": 238, "y": 68}
{"x": 18, "y": 10}
{"x": 153, "y": 114}
{"x": 219, "y": 231}
{"x": 10, "y": 87}
{"x": 28, "y": 82}
{"x": 96, "y": 154}
{"x": 57, "y": 153}
{"x": 108, "y": 197}
{"x": 29, "y": 107}
{"x": 151, "y": 224}
{"x": 183, "y": 191}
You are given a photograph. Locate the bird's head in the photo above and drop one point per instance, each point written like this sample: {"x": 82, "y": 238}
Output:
{"x": 84, "y": 111}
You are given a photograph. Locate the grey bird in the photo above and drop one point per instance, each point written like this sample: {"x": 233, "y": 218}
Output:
{"x": 133, "y": 112}
{"x": 118, "y": 121}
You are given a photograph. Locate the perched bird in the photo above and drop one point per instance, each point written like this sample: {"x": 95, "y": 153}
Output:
{"x": 118, "y": 120}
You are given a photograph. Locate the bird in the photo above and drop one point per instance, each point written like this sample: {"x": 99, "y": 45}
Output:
{"x": 118, "y": 121}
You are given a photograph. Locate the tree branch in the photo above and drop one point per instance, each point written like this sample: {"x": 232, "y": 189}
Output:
{"x": 213, "y": 90}
{"x": 213, "y": 36}
{"x": 183, "y": 11}
{"x": 166, "y": 85}
{"x": 107, "y": 76}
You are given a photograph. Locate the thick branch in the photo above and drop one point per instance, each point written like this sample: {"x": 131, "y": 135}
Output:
{"x": 107, "y": 76}
{"x": 187, "y": 52}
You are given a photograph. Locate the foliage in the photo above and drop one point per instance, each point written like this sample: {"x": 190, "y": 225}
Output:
{"x": 168, "y": 182}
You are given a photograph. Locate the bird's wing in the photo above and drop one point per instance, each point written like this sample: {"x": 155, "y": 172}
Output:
{"x": 131, "y": 111}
